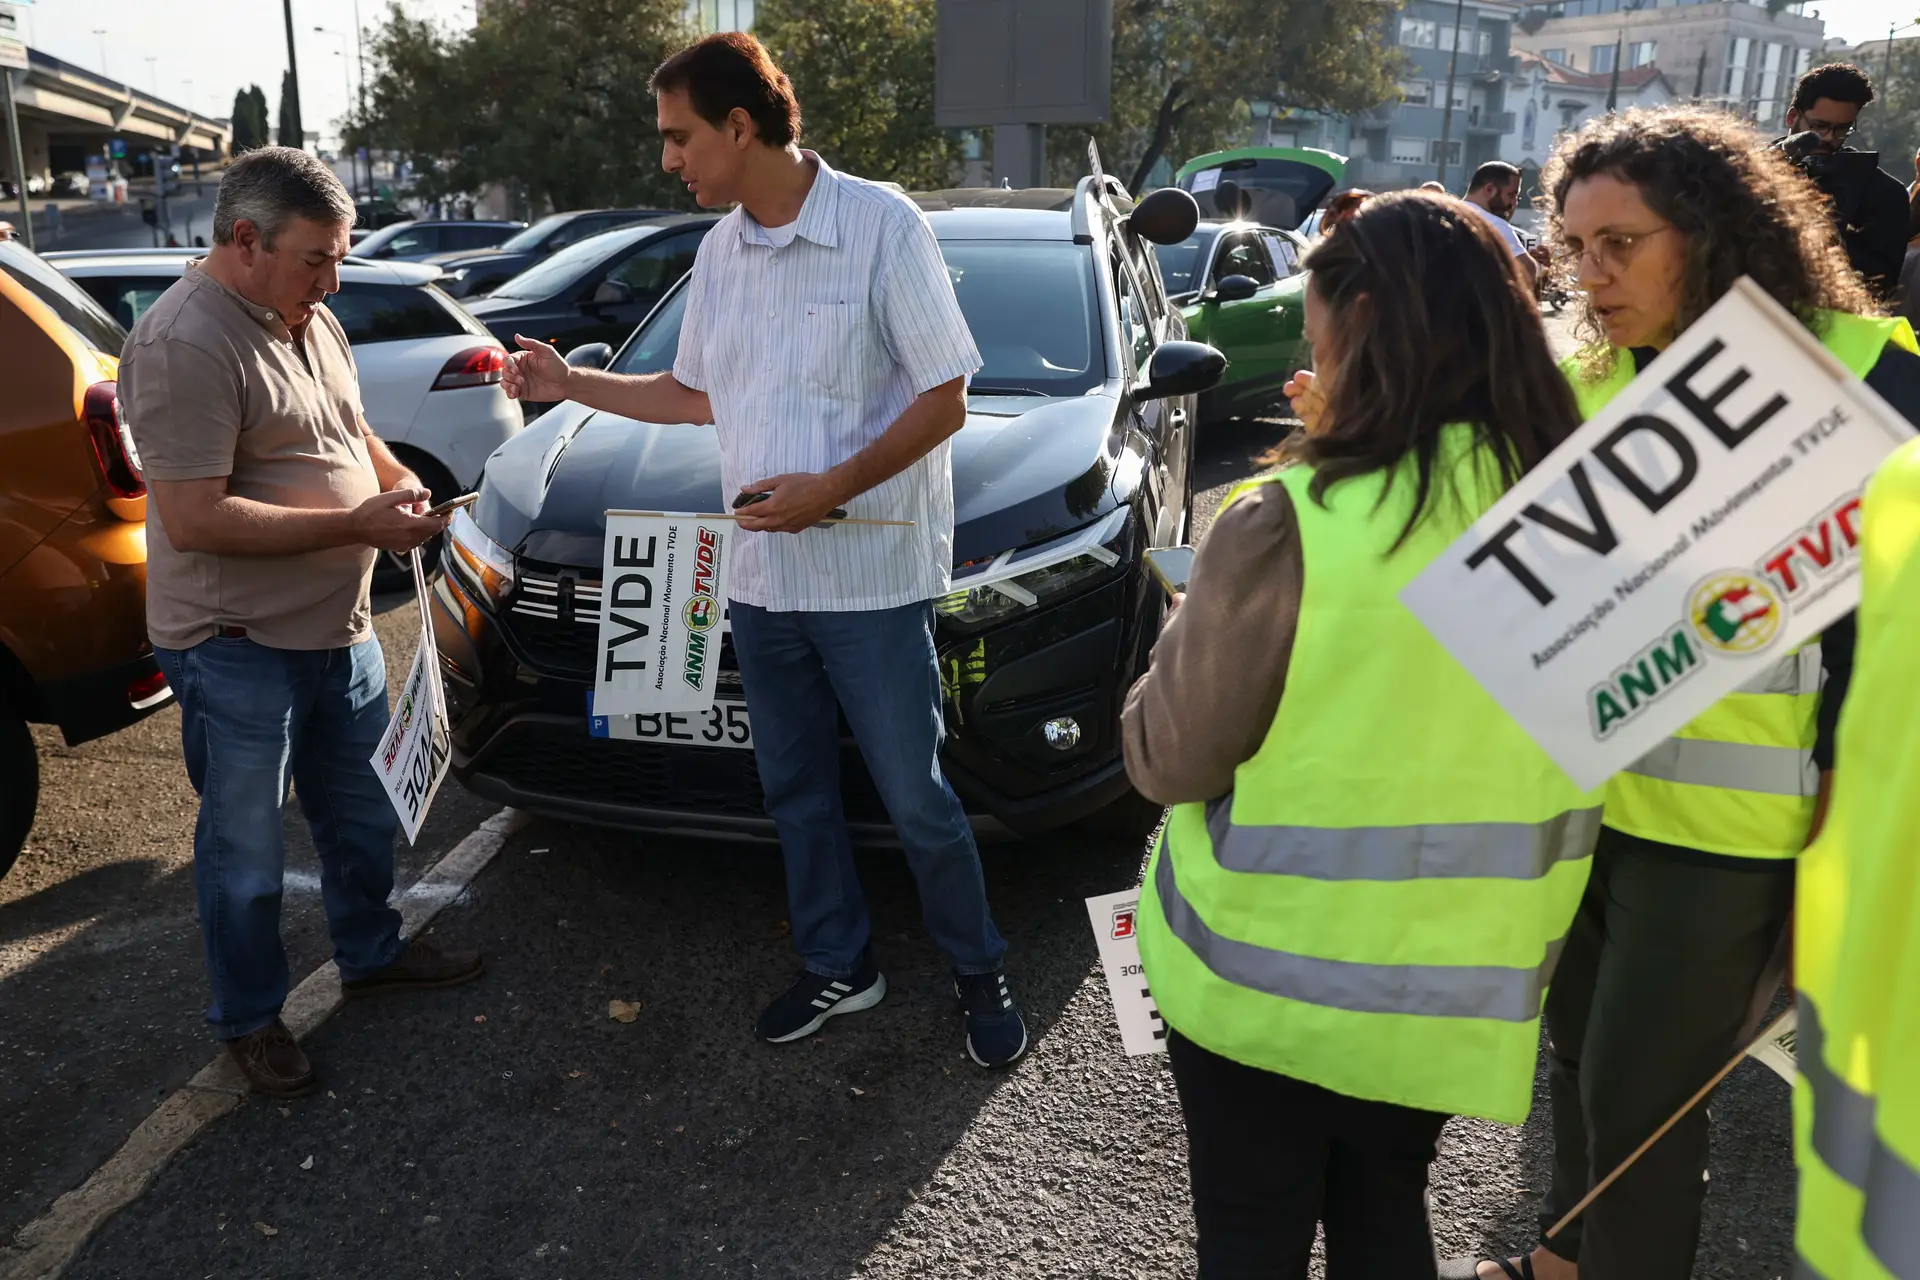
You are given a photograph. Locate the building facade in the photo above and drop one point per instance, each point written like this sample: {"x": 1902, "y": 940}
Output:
{"x": 1732, "y": 53}
{"x": 1548, "y": 99}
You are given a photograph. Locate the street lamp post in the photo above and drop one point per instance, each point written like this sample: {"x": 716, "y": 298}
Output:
{"x": 346, "y": 83}
{"x": 100, "y": 33}
{"x": 1446, "y": 116}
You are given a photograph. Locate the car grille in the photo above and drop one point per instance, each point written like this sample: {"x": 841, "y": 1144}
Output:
{"x": 563, "y": 763}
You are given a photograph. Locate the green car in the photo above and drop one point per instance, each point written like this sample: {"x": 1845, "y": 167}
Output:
{"x": 1237, "y": 279}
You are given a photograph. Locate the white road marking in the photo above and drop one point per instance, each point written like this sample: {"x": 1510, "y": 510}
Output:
{"x": 45, "y": 1247}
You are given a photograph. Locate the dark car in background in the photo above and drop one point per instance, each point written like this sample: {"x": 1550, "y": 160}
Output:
{"x": 476, "y": 272}
{"x": 597, "y": 290}
{"x": 1074, "y": 460}
{"x": 423, "y": 237}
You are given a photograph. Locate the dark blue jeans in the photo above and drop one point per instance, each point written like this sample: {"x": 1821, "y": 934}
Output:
{"x": 253, "y": 719}
{"x": 880, "y": 667}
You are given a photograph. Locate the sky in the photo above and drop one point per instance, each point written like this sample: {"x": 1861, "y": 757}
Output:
{"x": 198, "y": 53}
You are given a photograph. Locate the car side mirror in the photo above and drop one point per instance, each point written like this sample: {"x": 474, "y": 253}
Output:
{"x": 611, "y": 293}
{"x": 1181, "y": 369}
{"x": 1166, "y": 216}
{"x": 1234, "y": 288}
{"x": 590, "y": 355}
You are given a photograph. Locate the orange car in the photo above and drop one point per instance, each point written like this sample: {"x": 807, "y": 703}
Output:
{"x": 73, "y": 537}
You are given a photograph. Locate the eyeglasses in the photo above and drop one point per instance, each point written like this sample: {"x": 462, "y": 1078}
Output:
{"x": 1832, "y": 132}
{"x": 1610, "y": 250}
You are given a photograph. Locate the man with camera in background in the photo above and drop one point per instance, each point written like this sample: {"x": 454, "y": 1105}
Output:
{"x": 1869, "y": 204}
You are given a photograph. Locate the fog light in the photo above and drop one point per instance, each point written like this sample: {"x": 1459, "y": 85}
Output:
{"x": 1062, "y": 733}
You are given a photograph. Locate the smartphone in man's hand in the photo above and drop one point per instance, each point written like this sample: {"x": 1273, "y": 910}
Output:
{"x": 452, "y": 505}
{"x": 1170, "y": 567}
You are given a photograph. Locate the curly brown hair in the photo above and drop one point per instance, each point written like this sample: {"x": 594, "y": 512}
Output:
{"x": 1743, "y": 209}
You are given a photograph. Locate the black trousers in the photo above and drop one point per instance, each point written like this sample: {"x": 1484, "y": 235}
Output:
{"x": 1271, "y": 1157}
{"x": 1648, "y": 1002}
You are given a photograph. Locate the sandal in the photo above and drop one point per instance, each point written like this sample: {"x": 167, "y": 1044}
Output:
{"x": 1469, "y": 1268}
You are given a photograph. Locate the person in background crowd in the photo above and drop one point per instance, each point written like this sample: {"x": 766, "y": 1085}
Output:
{"x": 1857, "y": 933}
{"x": 1660, "y": 212}
{"x": 840, "y": 284}
{"x": 1438, "y": 188}
{"x": 270, "y": 495}
{"x": 1494, "y": 190}
{"x": 1353, "y": 913}
{"x": 1868, "y": 202}
{"x": 1342, "y": 207}
{"x": 1907, "y": 297}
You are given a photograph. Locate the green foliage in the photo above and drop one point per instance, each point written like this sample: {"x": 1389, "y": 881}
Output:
{"x": 863, "y": 70}
{"x": 549, "y": 99}
{"x": 1185, "y": 70}
{"x": 291, "y": 134}
{"x": 1891, "y": 122}
{"x": 250, "y": 128}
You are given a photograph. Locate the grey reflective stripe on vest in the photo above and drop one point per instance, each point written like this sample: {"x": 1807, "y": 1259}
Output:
{"x": 1794, "y": 673}
{"x": 1426, "y": 990}
{"x": 1481, "y": 850}
{"x": 1731, "y": 766}
{"x": 1846, "y": 1141}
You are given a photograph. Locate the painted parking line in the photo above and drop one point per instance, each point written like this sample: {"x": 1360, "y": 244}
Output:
{"x": 44, "y": 1247}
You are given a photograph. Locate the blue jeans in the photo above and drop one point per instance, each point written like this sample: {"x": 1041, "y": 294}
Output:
{"x": 252, "y": 719}
{"x": 880, "y": 667}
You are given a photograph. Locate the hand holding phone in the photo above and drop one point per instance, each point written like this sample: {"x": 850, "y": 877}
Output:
{"x": 1170, "y": 567}
{"x": 748, "y": 499}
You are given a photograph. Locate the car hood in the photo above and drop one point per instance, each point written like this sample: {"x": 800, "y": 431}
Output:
{"x": 493, "y": 304}
{"x": 1024, "y": 470}
{"x": 467, "y": 258}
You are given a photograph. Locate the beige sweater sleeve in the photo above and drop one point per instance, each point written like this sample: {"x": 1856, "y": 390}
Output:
{"x": 1213, "y": 688}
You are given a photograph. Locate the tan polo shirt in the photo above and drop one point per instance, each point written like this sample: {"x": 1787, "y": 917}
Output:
{"x": 213, "y": 386}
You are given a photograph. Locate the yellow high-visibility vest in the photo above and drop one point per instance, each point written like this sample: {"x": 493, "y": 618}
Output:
{"x": 1378, "y": 904}
{"x": 1856, "y": 1105}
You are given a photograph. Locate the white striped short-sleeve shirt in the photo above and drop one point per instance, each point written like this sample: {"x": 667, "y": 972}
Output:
{"x": 809, "y": 352}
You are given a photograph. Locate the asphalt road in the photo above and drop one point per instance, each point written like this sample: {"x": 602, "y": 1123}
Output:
{"x": 512, "y": 1129}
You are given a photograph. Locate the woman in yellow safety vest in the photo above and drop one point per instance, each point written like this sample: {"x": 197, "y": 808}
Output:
{"x": 1351, "y": 918}
{"x": 1681, "y": 932}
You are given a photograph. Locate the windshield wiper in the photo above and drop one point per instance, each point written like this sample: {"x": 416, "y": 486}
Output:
{"x": 1006, "y": 391}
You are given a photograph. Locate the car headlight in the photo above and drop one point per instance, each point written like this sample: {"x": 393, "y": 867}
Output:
{"x": 480, "y": 563}
{"x": 998, "y": 587}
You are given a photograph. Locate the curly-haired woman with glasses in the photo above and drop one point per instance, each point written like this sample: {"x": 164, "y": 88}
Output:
{"x": 1657, "y": 213}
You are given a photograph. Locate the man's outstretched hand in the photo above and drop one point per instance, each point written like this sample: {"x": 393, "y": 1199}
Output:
{"x": 535, "y": 372}
{"x": 799, "y": 501}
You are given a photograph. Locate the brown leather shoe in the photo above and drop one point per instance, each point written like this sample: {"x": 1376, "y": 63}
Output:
{"x": 421, "y": 967}
{"x": 273, "y": 1063}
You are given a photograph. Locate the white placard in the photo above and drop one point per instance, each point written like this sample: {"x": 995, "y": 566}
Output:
{"x": 1114, "y": 916}
{"x": 415, "y": 749}
{"x": 1674, "y": 547}
{"x": 1776, "y": 1051}
{"x": 1205, "y": 181}
{"x": 663, "y": 591}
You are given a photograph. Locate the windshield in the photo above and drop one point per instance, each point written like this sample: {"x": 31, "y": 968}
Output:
{"x": 1273, "y": 189}
{"x": 1181, "y": 264}
{"x": 83, "y": 315}
{"x": 534, "y": 236}
{"x": 1029, "y": 304}
{"x": 545, "y": 279}
{"x": 382, "y": 238}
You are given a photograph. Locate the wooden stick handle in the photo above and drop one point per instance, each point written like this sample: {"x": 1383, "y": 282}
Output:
{"x": 715, "y": 515}
{"x": 1672, "y": 1120}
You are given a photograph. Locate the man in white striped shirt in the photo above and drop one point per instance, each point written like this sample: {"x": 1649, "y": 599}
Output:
{"x": 822, "y": 339}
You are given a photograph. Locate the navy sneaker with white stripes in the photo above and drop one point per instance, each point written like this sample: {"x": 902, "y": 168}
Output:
{"x": 996, "y": 1035}
{"x": 805, "y": 1007}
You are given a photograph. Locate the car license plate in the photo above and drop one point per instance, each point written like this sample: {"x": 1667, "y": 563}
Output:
{"x": 724, "y": 724}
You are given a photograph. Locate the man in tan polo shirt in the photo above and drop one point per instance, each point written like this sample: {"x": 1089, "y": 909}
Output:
{"x": 270, "y": 497}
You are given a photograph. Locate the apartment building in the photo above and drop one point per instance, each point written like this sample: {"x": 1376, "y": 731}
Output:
{"x": 1549, "y": 99}
{"x": 1742, "y": 55}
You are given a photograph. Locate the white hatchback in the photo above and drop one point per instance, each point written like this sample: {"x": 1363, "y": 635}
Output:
{"x": 429, "y": 372}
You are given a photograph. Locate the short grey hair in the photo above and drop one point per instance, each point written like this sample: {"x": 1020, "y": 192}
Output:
{"x": 272, "y": 184}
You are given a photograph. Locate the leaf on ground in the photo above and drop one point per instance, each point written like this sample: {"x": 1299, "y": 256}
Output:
{"x": 575, "y": 1075}
{"x": 479, "y": 1017}
{"x": 782, "y": 929}
{"x": 265, "y": 1230}
{"x": 858, "y": 1092}
{"x": 307, "y": 1163}
{"x": 622, "y": 1011}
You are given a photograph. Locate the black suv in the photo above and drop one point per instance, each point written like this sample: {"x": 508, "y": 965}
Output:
{"x": 1074, "y": 460}
{"x": 480, "y": 271}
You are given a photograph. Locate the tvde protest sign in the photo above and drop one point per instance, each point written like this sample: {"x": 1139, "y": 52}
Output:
{"x": 1675, "y": 547}
{"x": 414, "y": 751}
{"x": 663, "y": 592}
{"x": 1115, "y": 917}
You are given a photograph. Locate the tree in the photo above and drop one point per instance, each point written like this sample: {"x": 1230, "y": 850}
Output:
{"x": 1891, "y": 123}
{"x": 250, "y": 119}
{"x": 863, "y": 70}
{"x": 548, "y": 99}
{"x": 1184, "y": 71}
{"x": 291, "y": 134}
